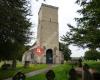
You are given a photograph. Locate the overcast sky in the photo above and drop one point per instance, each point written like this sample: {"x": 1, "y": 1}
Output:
{"x": 66, "y": 14}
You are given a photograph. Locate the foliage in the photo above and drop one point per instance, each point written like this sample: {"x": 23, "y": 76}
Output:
{"x": 87, "y": 32}
{"x": 92, "y": 55}
{"x": 14, "y": 28}
{"x": 27, "y": 47}
{"x": 65, "y": 50}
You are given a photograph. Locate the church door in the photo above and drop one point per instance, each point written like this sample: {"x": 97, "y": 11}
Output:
{"x": 49, "y": 56}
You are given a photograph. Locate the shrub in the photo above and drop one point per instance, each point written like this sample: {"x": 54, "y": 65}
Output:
{"x": 92, "y": 55}
{"x": 6, "y": 66}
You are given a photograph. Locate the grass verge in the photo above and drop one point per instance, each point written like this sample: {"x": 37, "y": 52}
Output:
{"x": 61, "y": 72}
{"x": 11, "y": 72}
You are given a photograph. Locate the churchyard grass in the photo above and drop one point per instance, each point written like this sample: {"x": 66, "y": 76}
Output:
{"x": 11, "y": 72}
{"x": 61, "y": 71}
{"x": 93, "y": 64}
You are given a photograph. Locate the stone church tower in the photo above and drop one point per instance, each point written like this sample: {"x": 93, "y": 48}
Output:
{"x": 48, "y": 35}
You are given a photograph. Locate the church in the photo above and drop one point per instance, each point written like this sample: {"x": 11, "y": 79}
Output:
{"x": 46, "y": 48}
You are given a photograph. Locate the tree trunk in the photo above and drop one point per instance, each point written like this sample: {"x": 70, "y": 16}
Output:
{"x": 14, "y": 63}
{"x": 26, "y": 64}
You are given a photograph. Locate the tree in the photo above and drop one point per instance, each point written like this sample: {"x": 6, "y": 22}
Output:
{"x": 87, "y": 32}
{"x": 65, "y": 50}
{"x": 92, "y": 55}
{"x": 14, "y": 28}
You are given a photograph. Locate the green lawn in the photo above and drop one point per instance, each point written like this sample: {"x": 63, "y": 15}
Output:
{"x": 60, "y": 72}
{"x": 94, "y": 64}
{"x": 9, "y": 73}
